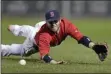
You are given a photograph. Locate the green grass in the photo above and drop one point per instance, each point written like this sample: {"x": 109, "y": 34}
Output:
{"x": 80, "y": 59}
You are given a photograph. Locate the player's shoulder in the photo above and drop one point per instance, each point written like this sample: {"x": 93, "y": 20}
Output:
{"x": 64, "y": 19}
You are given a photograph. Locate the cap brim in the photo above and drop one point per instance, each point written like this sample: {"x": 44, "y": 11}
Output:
{"x": 53, "y": 19}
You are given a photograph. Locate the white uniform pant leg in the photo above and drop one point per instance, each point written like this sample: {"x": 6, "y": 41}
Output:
{"x": 14, "y": 49}
{"x": 24, "y": 30}
{"x": 25, "y": 49}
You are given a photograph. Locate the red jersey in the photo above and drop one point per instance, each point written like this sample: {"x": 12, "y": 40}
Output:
{"x": 46, "y": 38}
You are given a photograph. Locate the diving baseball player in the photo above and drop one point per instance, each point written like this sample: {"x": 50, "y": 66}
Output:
{"x": 53, "y": 32}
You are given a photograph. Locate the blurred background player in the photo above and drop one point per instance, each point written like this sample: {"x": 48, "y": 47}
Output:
{"x": 54, "y": 31}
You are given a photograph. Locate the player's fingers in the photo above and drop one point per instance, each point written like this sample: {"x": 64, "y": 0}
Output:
{"x": 62, "y": 62}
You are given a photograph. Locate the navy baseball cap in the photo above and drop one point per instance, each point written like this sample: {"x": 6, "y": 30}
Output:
{"x": 52, "y": 15}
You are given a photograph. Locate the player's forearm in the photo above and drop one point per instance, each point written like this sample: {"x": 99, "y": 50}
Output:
{"x": 86, "y": 42}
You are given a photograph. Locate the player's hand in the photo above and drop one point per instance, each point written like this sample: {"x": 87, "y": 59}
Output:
{"x": 101, "y": 49}
{"x": 57, "y": 62}
{"x": 61, "y": 62}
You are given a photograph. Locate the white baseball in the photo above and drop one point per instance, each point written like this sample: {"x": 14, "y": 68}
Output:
{"x": 22, "y": 62}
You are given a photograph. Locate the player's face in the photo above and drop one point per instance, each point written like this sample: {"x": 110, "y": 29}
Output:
{"x": 54, "y": 25}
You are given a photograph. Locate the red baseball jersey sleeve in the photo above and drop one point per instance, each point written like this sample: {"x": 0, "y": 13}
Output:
{"x": 73, "y": 31}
